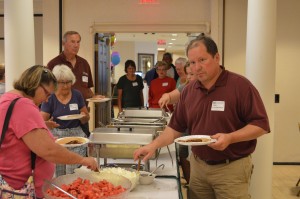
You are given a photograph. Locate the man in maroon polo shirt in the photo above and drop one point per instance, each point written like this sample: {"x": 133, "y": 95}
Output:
{"x": 225, "y": 106}
{"x": 79, "y": 66}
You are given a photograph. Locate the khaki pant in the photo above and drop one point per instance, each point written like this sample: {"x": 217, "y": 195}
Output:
{"x": 222, "y": 181}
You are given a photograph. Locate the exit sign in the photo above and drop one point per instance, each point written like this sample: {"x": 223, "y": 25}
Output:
{"x": 161, "y": 42}
{"x": 149, "y": 2}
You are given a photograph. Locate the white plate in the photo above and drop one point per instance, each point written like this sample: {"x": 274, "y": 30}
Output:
{"x": 70, "y": 117}
{"x": 181, "y": 140}
{"x": 65, "y": 140}
{"x": 98, "y": 99}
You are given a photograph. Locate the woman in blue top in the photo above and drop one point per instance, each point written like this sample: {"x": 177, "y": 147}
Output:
{"x": 65, "y": 101}
{"x": 130, "y": 88}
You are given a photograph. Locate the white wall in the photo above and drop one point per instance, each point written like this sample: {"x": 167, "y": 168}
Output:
{"x": 1, "y": 41}
{"x": 127, "y": 51}
{"x": 235, "y": 35}
{"x": 287, "y": 112}
{"x": 2, "y": 33}
{"x": 50, "y": 30}
{"x": 38, "y": 34}
{"x": 38, "y": 31}
{"x": 146, "y": 48}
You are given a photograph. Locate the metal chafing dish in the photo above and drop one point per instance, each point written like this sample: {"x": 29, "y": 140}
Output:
{"x": 133, "y": 128}
{"x": 141, "y": 118}
{"x": 119, "y": 143}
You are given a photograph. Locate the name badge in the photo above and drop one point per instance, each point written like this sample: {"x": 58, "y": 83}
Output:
{"x": 135, "y": 84}
{"x": 85, "y": 78}
{"x": 73, "y": 107}
{"x": 218, "y": 106}
{"x": 165, "y": 84}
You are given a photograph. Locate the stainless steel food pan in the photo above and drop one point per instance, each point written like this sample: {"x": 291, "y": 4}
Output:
{"x": 137, "y": 136}
{"x": 161, "y": 121}
{"x": 143, "y": 113}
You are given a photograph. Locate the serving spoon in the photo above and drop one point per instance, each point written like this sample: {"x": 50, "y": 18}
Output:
{"x": 57, "y": 187}
{"x": 162, "y": 165}
{"x": 139, "y": 164}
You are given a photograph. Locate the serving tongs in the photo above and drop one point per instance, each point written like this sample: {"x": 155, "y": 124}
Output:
{"x": 162, "y": 165}
{"x": 118, "y": 120}
{"x": 158, "y": 120}
{"x": 57, "y": 187}
{"x": 97, "y": 170}
{"x": 167, "y": 113}
{"x": 139, "y": 163}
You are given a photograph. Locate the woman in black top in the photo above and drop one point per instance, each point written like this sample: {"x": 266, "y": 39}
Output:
{"x": 130, "y": 88}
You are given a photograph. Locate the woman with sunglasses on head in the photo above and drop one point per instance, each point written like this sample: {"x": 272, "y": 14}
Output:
{"x": 66, "y": 101}
{"x": 27, "y": 132}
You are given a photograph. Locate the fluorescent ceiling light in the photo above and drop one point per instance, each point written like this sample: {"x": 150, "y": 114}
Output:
{"x": 161, "y": 49}
{"x": 173, "y": 39}
{"x": 174, "y": 35}
{"x": 170, "y": 43}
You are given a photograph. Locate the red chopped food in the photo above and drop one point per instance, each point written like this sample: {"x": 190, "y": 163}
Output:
{"x": 84, "y": 189}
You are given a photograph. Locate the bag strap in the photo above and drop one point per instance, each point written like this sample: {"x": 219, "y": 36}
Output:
{"x": 5, "y": 126}
{"x": 33, "y": 157}
{"x": 7, "y": 118}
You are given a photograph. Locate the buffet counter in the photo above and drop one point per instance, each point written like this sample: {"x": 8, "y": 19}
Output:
{"x": 114, "y": 147}
{"x": 167, "y": 182}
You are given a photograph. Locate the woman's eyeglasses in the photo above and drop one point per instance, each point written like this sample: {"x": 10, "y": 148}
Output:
{"x": 64, "y": 83}
{"x": 47, "y": 93}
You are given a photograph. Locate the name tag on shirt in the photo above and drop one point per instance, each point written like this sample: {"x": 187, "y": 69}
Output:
{"x": 218, "y": 106}
{"x": 73, "y": 107}
{"x": 165, "y": 84}
{"x": 135, "y": 84}
{"x": 85, "y": 78}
